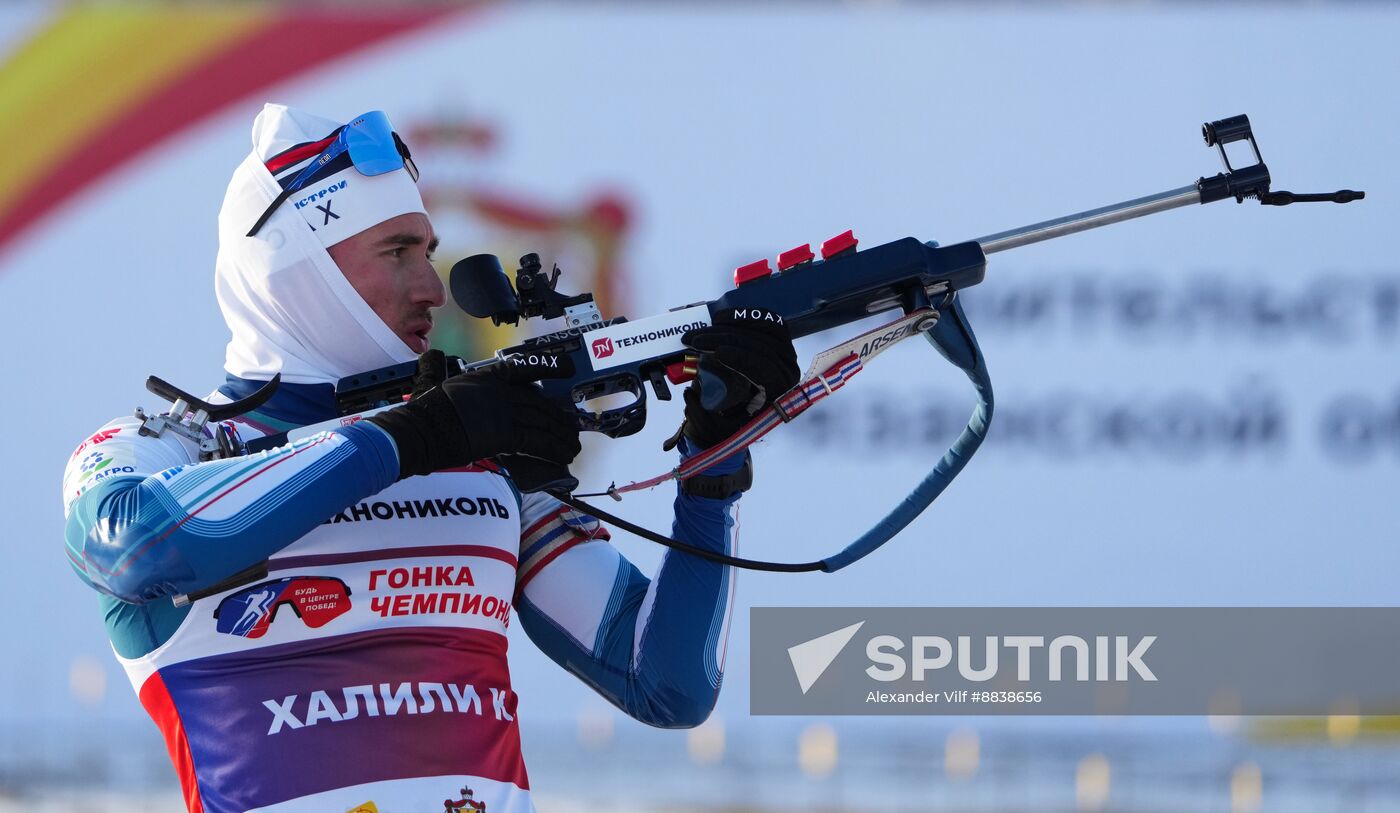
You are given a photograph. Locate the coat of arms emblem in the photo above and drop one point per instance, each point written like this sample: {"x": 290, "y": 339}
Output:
{"x": 466, "y": 804}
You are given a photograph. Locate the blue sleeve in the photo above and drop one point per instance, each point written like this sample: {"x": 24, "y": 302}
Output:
{"x": 149, "y": 530}
{"x": 653, "y": 647}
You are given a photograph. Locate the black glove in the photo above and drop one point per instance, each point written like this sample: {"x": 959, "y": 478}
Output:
{"x": 475, "y": 416}
{"x": 746, "y": 360}
{"x": 432, "y": 371}
{"x": 532, "y": 473}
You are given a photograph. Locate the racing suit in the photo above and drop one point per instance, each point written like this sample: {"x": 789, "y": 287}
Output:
{"x": 369, "y": 664}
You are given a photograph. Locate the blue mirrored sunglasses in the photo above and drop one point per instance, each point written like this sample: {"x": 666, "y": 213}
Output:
{"x": 374, "y": 149}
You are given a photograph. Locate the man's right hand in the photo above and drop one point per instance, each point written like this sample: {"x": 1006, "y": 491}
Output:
{"x": 476, "y": 416}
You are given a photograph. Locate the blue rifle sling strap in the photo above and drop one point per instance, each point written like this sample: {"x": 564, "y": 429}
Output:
{"x": 954, "y": 340}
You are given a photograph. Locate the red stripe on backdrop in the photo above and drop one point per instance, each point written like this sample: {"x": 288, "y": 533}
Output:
{"x": 294, "y": 42}
{"x": 156, "y": 698}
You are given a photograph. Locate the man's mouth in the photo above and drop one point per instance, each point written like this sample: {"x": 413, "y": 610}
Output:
{"x": 418, "y": 334}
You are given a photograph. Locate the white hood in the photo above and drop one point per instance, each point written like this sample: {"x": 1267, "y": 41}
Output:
{"x": 288, "y": 306}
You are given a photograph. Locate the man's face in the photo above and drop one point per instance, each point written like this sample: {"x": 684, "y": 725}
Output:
{"x": 389, "y": 265}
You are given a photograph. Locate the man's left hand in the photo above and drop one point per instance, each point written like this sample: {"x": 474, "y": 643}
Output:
{"x": 746, "y": 360}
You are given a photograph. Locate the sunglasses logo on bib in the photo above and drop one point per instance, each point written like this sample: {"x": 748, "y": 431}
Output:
{"x": 316, "y": 600}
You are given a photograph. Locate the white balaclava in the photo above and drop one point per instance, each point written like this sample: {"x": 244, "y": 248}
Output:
{"x": 288, "y": 306}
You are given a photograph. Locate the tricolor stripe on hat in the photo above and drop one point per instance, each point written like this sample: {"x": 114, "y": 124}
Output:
{"x": 291, "y": 172}
{"x": 299, "y": 153}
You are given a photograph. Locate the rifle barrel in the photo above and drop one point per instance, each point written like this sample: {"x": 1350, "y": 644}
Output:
{"x": 1092, "y": 219}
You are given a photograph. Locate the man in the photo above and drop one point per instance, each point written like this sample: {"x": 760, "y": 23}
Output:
{"x": 375, "y": 668}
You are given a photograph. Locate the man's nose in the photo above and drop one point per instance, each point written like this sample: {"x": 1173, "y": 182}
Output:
{"x": 430, "y": 289}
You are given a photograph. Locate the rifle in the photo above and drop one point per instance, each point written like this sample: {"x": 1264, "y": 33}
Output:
{"x": 597, "y": 357}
